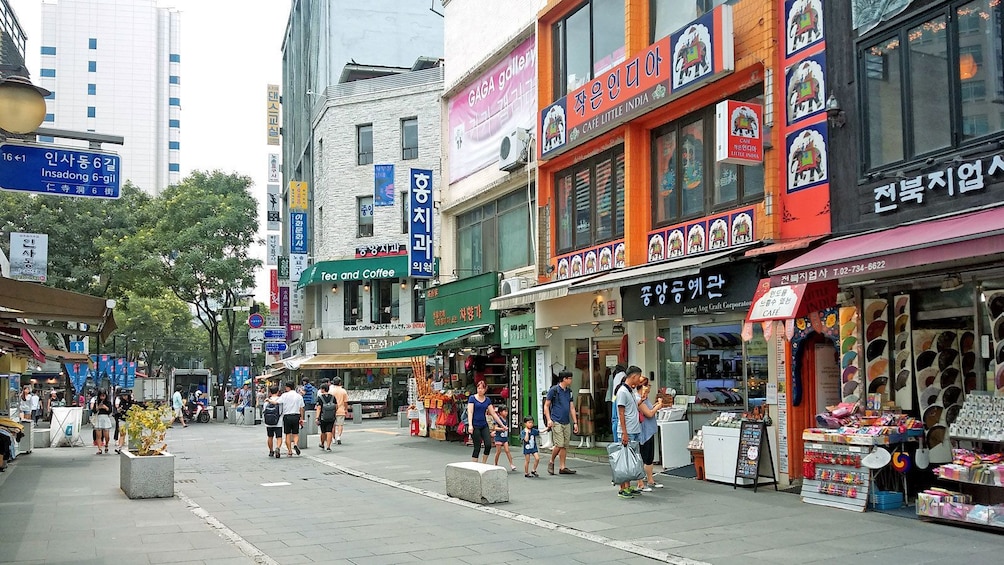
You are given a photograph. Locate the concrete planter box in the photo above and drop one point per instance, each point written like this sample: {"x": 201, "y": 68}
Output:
{"x": 146, "y": 477}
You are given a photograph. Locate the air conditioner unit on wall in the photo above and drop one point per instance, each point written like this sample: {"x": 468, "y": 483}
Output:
{"x": 315, "y": 333}
{"x": 514, "y": 150}
{"x": 512, "y": 284}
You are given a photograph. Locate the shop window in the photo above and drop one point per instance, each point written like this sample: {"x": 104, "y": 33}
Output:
{"x": 924, "y": 82}
{"x": 385, "y": 301}
{"x": 409, "y": 138}
{"x": 495, "y": 236}
{"x": 364, "y": 205}
{"x": 364, "y": 144}
{"x": 589, "y": 197}
{"x": 405, "y": 212}
{"x": 668, "y": 17}
{"x": 687, "y": 182}
{"x": 352, "y": 303}
{"x": 587, "y": 42}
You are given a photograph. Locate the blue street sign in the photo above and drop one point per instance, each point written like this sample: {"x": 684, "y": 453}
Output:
{"x": 278, "y": 332}
{"x": 275, "y": 346}
{"x": 76, "y": 347}
{"x": 62, "y": 171}
{"x": 256, "y": 320}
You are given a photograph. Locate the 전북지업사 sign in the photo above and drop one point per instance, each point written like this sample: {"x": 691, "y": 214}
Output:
{"x": 59, "y": 170}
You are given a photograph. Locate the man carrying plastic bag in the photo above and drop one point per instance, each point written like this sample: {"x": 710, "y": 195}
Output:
{"x": 625, "y": 460}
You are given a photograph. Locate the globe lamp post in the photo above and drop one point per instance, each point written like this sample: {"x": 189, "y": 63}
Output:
{"x": 22, "y": 105}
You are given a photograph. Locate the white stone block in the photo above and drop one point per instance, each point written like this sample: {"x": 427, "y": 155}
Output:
{"x": 146, "y": 477}
{"x": 42, "y": 438}
{"x": 477, "y": 482}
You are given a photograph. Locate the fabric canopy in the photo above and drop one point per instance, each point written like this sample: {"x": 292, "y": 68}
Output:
{"x": 425, "y": 345}
{"x": 965, "y": 236}
{"x": 530, "y": 295}
{"x": 351, "y": 361}
{"x": 60, "y": 355}
{"x": 33, "y": 301}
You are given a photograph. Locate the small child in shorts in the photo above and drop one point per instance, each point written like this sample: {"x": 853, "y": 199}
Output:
{"x": 529, "y": 435}
{"x": 502, "y": 437}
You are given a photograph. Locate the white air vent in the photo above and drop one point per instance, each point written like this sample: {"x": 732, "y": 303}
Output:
{"x": 514, "y": 150}
{"x": 512, "y": 284}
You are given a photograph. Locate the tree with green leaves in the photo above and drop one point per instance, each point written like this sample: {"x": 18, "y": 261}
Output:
{"x": 199, "y": 247}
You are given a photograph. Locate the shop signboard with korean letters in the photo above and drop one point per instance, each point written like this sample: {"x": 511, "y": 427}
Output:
{"x": 723, "y": 288}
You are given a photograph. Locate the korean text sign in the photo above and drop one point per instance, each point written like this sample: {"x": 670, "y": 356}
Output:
{"x": 726, "y": 288}
{"x": 297, "y": 232}
{"x": 420, "y": 239}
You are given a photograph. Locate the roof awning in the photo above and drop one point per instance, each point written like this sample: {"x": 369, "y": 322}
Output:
{"x": 547, "y": 291}
{"x": 650, "y": 273}
{"x": 271, "y": 373}
{"x": 929, "y": 242}
{"x": 332, "y": 272}
{"x": 22, "y": 342}
{"x": 291, "y": 363}
{"x": 425, "y": 345}
{"x": 785, "y": 245}
{"x": 60, "y": 355}
{"x": 36, "y": 302}
{"x": 790, "y": 301}
{"x": 352, "y": 361}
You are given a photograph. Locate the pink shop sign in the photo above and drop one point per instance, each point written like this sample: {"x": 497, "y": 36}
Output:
{"x": 489, "y": 107}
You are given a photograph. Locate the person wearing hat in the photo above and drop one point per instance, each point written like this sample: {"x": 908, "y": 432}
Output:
{"x": 561, "y": 419}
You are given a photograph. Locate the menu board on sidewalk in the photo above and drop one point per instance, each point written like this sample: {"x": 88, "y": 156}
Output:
{"x": 754, "y": 448}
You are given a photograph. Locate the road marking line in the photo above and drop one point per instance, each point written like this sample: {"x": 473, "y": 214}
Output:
{"x": 275, "y": 484}
{"x": 246, "y": 547}
{"x": 540, "y": 523}
{"x": 384, "y": 432}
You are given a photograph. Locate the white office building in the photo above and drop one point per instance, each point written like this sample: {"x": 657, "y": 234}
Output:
{"x": 113, "y": 67}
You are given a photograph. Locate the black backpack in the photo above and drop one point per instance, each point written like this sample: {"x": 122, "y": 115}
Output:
{"x": 270, "y": 414}
{"x": 328, "y": 407}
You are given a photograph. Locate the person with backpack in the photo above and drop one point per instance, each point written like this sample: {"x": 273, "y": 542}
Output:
{"x": 122, "y": 405}
{"x": 271, "y": 415}
{"x": 327, "y": 406}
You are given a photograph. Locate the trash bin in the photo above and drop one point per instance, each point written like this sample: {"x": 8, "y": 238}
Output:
{"x": 402, "y": 417}
{"x": 308, "y": 425}
{"x": 231, "y": 414}
{"x": 249, "y": 415}
{"x": 220, "y": 413}
{"x": 27, "y": 443}
{"x": 357, "y": 412}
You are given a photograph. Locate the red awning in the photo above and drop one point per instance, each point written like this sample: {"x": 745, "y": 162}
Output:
{"x": 790, "y": 301}
{"x": 782, "y": 246}
{"x": 32, "y": 344}
{"x": 934, "y": 241}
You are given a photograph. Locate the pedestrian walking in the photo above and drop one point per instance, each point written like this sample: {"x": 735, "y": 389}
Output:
{"x": 244, "y": 400}
{"x": 342, "y": 398}
{"x": 24, "y": 404}
{"x": 309, "y": 394}
{"x": 179, "y": 407}
{"x": 529, "y": 435}
{"x": 271, "y": 416}
{"x": 502, "y": 438}
{"x": 50, "y": 403}
{"x": 36, "y": 407}
{"x": 122, "y": 405}
{"x": 649, "y": 425}
{"x": 479, "y": 409}
{"x": 628, "y": 421}
{"x": 103, "y": 423}
{"x": 327, "y": 406}
{"x": 559, "y": 412}
{"x": 292, "y": 417}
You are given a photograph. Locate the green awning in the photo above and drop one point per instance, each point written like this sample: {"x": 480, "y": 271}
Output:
{"x": 355, "y": 270}
{"x": 425, "y": 345}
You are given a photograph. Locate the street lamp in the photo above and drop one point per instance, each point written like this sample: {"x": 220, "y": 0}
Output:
{"x": 22, "y": 105}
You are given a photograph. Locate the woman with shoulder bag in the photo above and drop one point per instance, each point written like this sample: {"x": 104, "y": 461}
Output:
{"x": 103, "y": 421}
{"x": 649, "y": 424}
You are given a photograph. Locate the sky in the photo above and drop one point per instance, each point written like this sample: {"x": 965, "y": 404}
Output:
{"x": 230, "y": 52}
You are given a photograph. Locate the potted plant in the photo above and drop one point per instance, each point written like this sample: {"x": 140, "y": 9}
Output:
{"x": 148, "y": 471}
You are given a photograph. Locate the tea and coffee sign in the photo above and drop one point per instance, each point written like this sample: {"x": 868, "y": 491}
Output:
{"x": 700, "y": 52}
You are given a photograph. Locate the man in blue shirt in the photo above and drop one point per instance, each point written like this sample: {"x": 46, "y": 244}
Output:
{"x": 309, "y": 394}
{"x": 559, "y": 412}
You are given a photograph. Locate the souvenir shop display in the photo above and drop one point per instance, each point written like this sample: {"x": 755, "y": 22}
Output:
{"x": 721, "y": 439}
{"x": 834, "y": 475}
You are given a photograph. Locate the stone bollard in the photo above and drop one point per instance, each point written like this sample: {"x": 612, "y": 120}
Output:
{"x": 477, "y": 482}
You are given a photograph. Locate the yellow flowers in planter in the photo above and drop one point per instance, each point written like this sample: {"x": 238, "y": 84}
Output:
{"x": 148, "y": 424}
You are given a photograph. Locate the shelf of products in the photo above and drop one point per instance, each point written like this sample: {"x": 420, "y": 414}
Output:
{"x": 837, "y": 478}
{"x": 978, "y": 470}
{"x": 720, "y": 441}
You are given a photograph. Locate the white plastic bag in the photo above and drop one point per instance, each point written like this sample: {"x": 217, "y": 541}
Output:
{"x": 545, "y": 440}
{"x": 625, "y": 462}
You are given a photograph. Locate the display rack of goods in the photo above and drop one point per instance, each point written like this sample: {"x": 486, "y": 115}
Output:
{"x": 833, "y": 476}
{"x": 854, "y": 429}
{"x": 956, "y": 507}
{"x": 877, "y": 346}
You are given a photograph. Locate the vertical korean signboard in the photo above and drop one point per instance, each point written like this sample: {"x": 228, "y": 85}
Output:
{"x": 272, "y": 113}
{"x": 420, "y": 239}
{"x": 273, "y": 215}
{"x": 273, "y": 294}
{"x": 29, "y": 256}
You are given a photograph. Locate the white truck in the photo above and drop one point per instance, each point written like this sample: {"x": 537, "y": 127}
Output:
{"x": 147, "y": 389}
